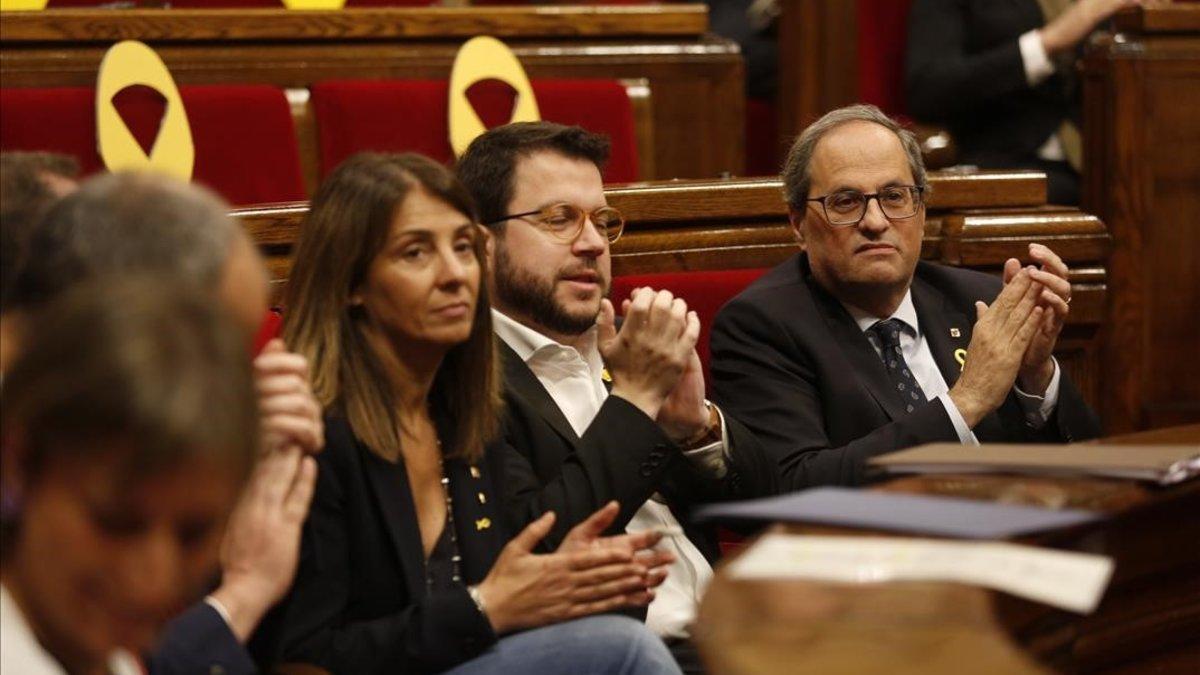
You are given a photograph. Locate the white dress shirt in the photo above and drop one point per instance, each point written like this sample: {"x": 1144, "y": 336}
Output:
{"x": 574, "y": 380}
{"x": 20, "y": 652}
{"x": 924, "y": 368}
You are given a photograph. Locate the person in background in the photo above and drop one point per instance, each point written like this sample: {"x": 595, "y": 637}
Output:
{"x": 129, "y": 426}
{"x": 407, "y": 562}
{"x": 1002, "y": 76}
{"x": 120, "y": 224}
{"x": 652, "y": 442}
{"x": 29, "y": 183}
{"x": 853, "y": 347}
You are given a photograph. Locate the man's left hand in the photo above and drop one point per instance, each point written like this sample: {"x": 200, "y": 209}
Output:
{"x": 1037, "y": 368}
{"x": 683, "y": 414}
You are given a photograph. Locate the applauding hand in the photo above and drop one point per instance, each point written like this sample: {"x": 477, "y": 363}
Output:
{"x": 588, "y": 574}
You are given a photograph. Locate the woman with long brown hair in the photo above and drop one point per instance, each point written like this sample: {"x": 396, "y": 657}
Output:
{"x": 407, "y": 564}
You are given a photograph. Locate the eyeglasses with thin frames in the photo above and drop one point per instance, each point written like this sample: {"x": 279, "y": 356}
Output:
{"x": 849, "y": 207}
{"x": 564, "y": 222}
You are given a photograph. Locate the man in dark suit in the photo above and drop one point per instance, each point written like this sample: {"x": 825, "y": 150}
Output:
{"x": 853, "y": 348}
{"x": 653, "y": 442}
{"x": 1001, "y": 76}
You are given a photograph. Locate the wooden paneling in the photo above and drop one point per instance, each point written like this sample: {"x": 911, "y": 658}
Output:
{"x": 818, "y": 61}
{"x": 696, "y": 79}
{"x": 973, "y": 220}
{"x": 220, "y": 25}
{"x": 1142, "y": 138}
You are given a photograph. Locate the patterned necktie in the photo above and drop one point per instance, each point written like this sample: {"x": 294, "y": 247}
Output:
{"x": 885, "y": 336}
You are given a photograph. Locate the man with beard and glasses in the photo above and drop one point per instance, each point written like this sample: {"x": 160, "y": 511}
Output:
{"x": 600, "y": 410}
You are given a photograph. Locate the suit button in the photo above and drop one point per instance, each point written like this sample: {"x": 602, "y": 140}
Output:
{"x": 216, "y": 670}
{"x": 647, "y": 470}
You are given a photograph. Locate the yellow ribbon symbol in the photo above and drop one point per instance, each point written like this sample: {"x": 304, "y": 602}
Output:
{"x": 484, "y": 58}
{"x": 483, "y": 523}
{"x": 314, "y": 4}
{"x": 960, "y": 355}
{"x": 22, "y": 5}
{"x": 130, "y": 63}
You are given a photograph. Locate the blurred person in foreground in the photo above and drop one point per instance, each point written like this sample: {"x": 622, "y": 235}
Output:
{"x": 129, "y": 427}
{"x": 408, "y": 562}
{"x": 115, "y": 225}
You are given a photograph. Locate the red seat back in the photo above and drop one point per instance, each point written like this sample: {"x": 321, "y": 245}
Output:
{"x": 882, "y": 36}
{"x": 413, "y": 116}
{"x": 705, "y": 291}
{"x": 244, "y": 137}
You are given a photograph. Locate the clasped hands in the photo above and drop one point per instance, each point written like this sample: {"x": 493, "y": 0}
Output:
{"x": 1014, "y": 338}
{"x": 653, "y": 360}
{"x": 587, "y": 574}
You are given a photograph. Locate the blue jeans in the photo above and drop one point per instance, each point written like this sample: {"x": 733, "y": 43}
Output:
{"x": 596, "y": 645}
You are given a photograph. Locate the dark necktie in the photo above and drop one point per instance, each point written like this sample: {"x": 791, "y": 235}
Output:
{"x": 885, "y": 336}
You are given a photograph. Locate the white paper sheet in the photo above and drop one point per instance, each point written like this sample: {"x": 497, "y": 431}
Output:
{"x": 1073, "y": 581}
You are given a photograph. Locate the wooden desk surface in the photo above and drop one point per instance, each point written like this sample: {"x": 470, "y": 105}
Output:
{"x": 1147, "y": 622}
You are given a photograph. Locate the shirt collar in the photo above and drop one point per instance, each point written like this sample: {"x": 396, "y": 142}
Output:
{"x": 22, "y": 652}
{"x": 527, "y": 342}
{"x": 906, "y": 313}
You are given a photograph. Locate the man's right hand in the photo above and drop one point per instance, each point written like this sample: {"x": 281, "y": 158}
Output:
{"x": 649, "y": 354}
{"x": 998, "y": 342}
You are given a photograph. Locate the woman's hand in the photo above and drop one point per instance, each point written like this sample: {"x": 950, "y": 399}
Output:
{"x": 588, "y": 574}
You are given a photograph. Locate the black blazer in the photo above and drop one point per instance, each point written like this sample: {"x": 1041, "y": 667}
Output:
{"x": 791, "y": 362}
{"x": 963, "y": 69}
{"x": 359, "y": 602}
{"x": 623, "y": 455}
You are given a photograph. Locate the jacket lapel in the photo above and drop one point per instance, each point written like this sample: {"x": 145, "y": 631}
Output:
{"x": 946, "y": 329}
{"x": 389, "y": 482}
{"x": 865, "y": 363}
{"x": 478, "y": 525}
{"x": 521, "y": 381}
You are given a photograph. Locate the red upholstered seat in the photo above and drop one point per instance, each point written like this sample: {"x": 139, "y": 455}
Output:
{"x": 270, "y": 328}
{"x": 412, "y": 116}
{"x": 705, "y": 291}
{"x": 882, "y": 36}
{"x": 762, "y": 138}
{"x": 244, "y": 137}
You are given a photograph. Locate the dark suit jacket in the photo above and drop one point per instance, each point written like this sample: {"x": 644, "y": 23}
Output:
{"x": 199, "y": 641}
{"x": 964, "y": 70}
{"x": 359, "y": 603}
{"x": 792, "y": 364}
{"x": 623, "y": 455}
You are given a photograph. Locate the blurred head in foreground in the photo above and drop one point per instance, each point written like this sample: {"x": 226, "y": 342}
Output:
{"x": 129, "y": 424}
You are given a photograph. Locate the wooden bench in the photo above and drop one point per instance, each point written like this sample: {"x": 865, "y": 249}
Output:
{"x": 697, "y": 227}
{"x": 662, "y": 49}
